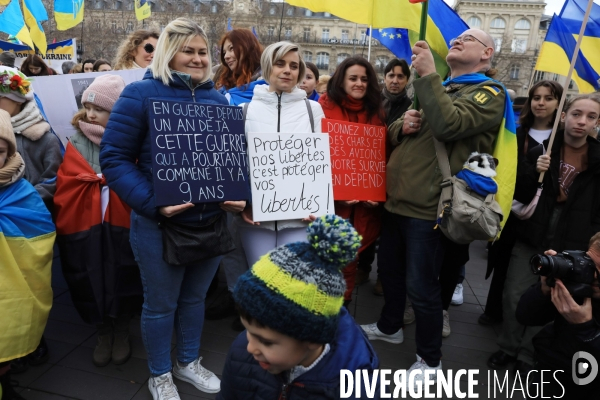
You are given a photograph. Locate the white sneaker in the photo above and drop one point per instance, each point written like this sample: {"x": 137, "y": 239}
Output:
{"x": 457, "y": 297}
{"x": 409, "y": 313}
{"x": 422, "y": 365}
{"x": 446, "y": 327}
{"x": 197, "y": 375}
{"x": 373, "y": 333}
{"x": 162, "y": 387}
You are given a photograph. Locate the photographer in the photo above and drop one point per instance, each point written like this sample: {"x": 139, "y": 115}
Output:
{"x": 575, "y": 328}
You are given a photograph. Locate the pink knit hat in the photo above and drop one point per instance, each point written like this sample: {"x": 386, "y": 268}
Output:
{"x": 104, "y": 91}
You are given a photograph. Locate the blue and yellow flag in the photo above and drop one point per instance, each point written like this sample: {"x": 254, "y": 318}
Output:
{"x": 396, "y": 40}
{"x": 556, "y": 53}
{"x": 443, "y": 22}
{"x": 572, "y": 14}
{"x": 26, "y": 241}
{"x": 34, "y": 13}
{"x": 142, "y": 9}
{"x": 68, "y": 13}
{"x": 12, "y": 22}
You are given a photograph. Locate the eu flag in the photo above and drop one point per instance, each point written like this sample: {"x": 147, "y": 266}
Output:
{"x": 396, "y": 40}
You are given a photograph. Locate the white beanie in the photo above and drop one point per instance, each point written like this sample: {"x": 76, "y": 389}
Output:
{"x": 7, "y": 79}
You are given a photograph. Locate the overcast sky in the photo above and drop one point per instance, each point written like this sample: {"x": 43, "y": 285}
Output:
{"x": 552, "y": 6}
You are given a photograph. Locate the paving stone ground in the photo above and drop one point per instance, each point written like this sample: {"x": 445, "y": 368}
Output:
{"x": 70, "y": 374}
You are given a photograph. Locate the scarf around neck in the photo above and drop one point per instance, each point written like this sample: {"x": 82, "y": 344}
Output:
{"x": 13, "y": 170}
{"x": 389, "y": 99}
{"x": 30, "y": 122}
{"x": 91, "y": 131}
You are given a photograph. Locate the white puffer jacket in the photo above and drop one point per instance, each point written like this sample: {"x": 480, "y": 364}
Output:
{"x": 264, "y": 116}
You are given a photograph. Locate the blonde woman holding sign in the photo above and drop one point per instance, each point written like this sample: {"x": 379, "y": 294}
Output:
{"x": 277, "y": 107}
{"x": 173, "y": 294}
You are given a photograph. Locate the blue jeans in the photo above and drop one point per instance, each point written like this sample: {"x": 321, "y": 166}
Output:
{"x": 409, "y": 260}
{"x": 173, "y": 295}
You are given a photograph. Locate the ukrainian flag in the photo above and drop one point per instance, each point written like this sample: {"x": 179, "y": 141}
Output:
{"x": 142, "y": 9}
{"x": 443, "y": 23}
{"x": 11, "y": 22}
{"x": 68, "y": 13}
{"x": 556, "y": 53}
{"x": 572, "y": 14}
{"x": 34, "y": 13}
{"x": 26, "y": 242}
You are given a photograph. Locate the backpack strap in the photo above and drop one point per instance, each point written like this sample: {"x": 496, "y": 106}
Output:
{"x": 310, "y": 115}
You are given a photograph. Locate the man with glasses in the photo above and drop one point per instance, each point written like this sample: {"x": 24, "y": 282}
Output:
{"x": 465, "y": 113}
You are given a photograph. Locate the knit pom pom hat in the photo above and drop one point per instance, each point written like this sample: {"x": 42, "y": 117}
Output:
{"x": 104, "y": 91}
{"x": 298, "y": 288}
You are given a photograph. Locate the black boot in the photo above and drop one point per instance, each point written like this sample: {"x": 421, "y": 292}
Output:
{"x": 19, "y": 365}
{"x": 8, "y": 388}
{"x": 40, "y": 355}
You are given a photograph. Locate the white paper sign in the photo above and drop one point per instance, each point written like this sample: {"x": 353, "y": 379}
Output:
{"x": 290, "y": 175}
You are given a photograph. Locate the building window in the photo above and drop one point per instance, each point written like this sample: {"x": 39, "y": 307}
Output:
{"x": 272, "y": 10}
{"x": 323, "y": 60}
{"x": 498, "y": 23}
{"x": 363, "y": 37}
{"x": 288, "y": 33}
{"x": 290, "y": 11}
{"x": 129, "y": 5}
{"x": 326, "y": 14}
{"x": 197, "y": 6}
{"x": 474, "y": 22}
{"x": 307, "y": 13}
{"x": 113, "y": 26}
{"x": 99, "y": 4}
{"x": 98, "y": 25}
{"x": 307, "y": 55}
{"x": 341, "y": 57}
{"x": 514, "y": 72}
{"x": 497, "y": 44}
{"x": 538, "y": 76}
{"x": 325, "y": 35}
{"x": 306, "y": 34}
{"x": 522, "y": 24}
{"x": 117, "y": 5}
{"x": 345, "y": 34}
{"x": 270, "y": 32}
{"x": 519, "y": 46}
{"x": 214, "y": 9}
{"x": 129, "y": 28}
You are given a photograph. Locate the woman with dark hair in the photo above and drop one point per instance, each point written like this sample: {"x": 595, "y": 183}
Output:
{"x": 137, "y": 50}
{"x": 101, "y": 65}
{"x": 537, "y": 116}
{"x": 35, "y": 66}
{"x": 309, "y": 83}
{"x": 88, "y": 65}
{"x": 353, "y": 95}
{"x": 240, "y": 66}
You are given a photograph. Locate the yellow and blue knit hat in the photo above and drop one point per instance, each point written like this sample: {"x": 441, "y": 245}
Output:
{"x": 298, "y": 288}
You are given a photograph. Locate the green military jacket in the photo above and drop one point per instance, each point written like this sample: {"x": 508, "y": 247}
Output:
{"x": 89, "y": 150}
{"x": 466, "y": 118}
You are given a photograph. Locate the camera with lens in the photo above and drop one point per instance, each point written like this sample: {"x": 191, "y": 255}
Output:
{"x": 574, "y": 268}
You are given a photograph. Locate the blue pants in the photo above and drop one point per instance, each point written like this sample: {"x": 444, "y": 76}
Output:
{"x": 409, "y": 261}
{"x": 173, "y": 295}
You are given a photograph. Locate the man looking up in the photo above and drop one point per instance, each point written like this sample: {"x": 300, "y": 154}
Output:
{"x": 464, "y": 113}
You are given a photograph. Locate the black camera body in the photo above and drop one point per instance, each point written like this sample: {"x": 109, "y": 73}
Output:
{"x": 574, "y": 268}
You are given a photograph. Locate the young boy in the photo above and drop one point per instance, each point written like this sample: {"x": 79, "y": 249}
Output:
{"x": 298, "y": 336}
{"x": 26, "y": 240}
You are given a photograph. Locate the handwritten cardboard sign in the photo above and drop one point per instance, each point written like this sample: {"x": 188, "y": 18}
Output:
{"x": 290, "y": 175}
{"x": 357, "y": 159}
{"x": 199, "y": 153}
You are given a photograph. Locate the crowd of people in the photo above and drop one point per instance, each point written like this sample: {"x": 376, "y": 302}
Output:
{"x": 290, "y": 281}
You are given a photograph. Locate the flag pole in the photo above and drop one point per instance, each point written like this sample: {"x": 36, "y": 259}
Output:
{"x": 422, "y": 36}
{"x": 370, "y": 39}
{"x": 569, "y": 75}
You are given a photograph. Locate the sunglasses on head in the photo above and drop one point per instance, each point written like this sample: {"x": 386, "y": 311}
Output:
{"x": 148, "y": 48}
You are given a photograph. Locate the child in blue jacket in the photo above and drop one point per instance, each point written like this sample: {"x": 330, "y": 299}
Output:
{"x": 298, "y": 336}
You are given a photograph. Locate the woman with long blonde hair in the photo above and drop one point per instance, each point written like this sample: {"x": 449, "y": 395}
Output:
{"x": 137, "y": 51}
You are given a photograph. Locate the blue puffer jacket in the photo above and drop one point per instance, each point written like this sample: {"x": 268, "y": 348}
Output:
{"x": 125, "y": 151}
{"x": 244, "y": 379}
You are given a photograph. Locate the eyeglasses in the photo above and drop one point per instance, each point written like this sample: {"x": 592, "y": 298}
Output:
{"x": 465, "y": 38}
{"x": 148, "y": 48}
